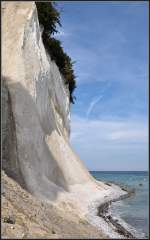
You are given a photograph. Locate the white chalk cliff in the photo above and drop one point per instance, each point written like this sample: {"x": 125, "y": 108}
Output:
{"x": 40, "y": 107}
{"x": 36, "y": 117}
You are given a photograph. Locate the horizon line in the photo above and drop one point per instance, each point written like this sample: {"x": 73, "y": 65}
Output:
{"x": 119, "y": 170}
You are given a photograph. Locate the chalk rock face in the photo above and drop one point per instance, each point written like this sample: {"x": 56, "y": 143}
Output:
{"x": 36, "y": 109}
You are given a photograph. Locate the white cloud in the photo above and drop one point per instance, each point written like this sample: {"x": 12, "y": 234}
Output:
{"x": 111, "y": 144}
{"x": 94, "y": 101}
{"x": 128, "y": 130}
{"x": 131, "y": 135}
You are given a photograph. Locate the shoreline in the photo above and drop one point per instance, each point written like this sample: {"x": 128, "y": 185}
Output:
{"x": 99, "y": 216}
{"x": 102, "y": 211}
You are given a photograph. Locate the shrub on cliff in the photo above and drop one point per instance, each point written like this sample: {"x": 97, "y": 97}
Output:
{"x": 49, "y": 17}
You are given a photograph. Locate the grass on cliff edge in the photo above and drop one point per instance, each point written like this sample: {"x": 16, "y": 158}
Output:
{"x": 49, "y": 18}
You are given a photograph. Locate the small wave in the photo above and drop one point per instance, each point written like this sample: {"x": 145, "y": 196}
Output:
{"x": 118, "y": 203}
{"x": 136, "y": 233}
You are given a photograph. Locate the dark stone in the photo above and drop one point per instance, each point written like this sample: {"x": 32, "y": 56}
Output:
{"x": 140, "y": 184}
{"x": 9, "y": 219}
{"x": 53, "y": 232}
{"x": 120, "y": 229}
{"x": 107, "y": 183}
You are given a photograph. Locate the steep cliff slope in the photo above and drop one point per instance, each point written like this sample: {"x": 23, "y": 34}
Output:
{"x": 40, "y": 107}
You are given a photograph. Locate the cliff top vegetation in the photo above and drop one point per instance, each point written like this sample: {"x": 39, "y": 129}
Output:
{"x": 49, "y": 18}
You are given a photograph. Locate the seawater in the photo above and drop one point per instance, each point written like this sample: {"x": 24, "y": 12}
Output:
{"x": 133, "y": 210}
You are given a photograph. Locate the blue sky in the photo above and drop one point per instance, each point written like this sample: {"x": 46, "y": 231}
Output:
{"x": 109, "y": 121}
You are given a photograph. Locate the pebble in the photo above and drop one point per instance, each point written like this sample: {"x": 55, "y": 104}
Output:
{"x": 9, "y": 219}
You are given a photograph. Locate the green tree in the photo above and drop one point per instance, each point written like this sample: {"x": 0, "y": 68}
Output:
{"x": 49, "y": 17}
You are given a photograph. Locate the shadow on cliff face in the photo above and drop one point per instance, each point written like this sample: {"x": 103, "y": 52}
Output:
{"x": 26, "y": 157}
{"x": 9, "y": 146}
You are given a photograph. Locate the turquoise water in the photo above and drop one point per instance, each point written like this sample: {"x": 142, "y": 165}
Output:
{"x": 133, "y": 210}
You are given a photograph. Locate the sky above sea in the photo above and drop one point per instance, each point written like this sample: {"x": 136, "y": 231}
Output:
{"x": 109, "y": 120}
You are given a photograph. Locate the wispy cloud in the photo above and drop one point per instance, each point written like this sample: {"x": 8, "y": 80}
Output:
{"x": 111, "y": 145}
{"x": 127, "y": 135}
{"x": 93, "y": 103}
{"x": 110, "y": 131}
